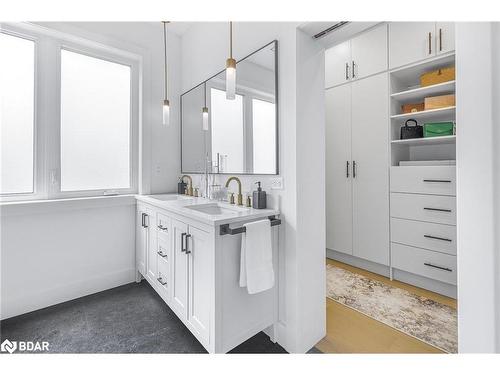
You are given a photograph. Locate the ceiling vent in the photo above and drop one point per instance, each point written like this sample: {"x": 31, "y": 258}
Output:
{"x": 330, "y": 29}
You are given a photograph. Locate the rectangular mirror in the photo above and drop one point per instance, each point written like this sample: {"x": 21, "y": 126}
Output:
{"x": 242, "y": 134}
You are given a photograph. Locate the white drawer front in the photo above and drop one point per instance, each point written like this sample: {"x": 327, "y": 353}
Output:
{"x": 437, "y": 237}
{"x": 163, "y": 279}
{"x": 438, "y": 180}
{"x": 437, "y": 266}
{"x": 439, "y": 209}
{"x": 163, "y": 224}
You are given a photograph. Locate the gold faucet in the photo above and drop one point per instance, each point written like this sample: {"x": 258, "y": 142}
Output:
{"x": 240, "y": 196}
{"x": 189, "y": 190}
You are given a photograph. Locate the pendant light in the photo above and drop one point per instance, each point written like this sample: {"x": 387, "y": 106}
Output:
{"x": 230, "y": 68}
{"x": 204, "y": 111}
{"x": 166, "y": 103}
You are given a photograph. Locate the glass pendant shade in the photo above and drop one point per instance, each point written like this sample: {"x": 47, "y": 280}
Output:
{"x": 205, "y": 118}
{"x": 166, "y": 112}
{"x": 230, "y": 79}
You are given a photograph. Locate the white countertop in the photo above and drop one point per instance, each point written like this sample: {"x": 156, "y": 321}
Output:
{"x": 179, "y": 204}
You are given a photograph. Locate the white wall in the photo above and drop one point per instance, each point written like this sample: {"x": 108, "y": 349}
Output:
{"x": 496, "y": 165}
{"x": 204, "y": 51}
{"x": 55, "y": 251}
{"x": 476, "y": 189}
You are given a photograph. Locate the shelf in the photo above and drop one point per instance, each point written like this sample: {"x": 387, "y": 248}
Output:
{"x": 447, "y": 111}
{"x": 447, "y": 139}
{"x": 422, "y": 92}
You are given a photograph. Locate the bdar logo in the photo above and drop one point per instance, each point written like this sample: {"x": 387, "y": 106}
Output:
{"x": 8, "y": 346}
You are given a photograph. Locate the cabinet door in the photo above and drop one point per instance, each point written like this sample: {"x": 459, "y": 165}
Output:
{"x": 445, "y": 37}
{"x": 337, "y": 64}
{"x": 141, "y": 242}
{"x": 409, "y": 42}
{"x": 179, "y": 269}
{"x": 151, "y": 256}
{"x": 370, "y": 144}
{"x": 200, "y": 282}
{"x": 369, "y": 53}
{"x": 338, "y": 169}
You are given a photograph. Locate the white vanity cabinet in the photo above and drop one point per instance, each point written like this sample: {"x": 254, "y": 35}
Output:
{"x": 196, "y": 269}
{"x": 415, "y": 41}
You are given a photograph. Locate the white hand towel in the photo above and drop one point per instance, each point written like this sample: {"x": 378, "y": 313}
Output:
{"x": 256, "y": 263}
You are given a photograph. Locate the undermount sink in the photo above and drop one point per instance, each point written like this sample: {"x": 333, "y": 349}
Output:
{"x": 216, "y": 209}
{"x": 169, "y": 197}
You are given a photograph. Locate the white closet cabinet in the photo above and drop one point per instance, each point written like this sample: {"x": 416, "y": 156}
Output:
{"x": 370, "y": 155}
{"x": 338, "y": 173}
{"x": 445, "y": 34}
{"x": 338, "y": 64}
{"x": 410, "y": 42}
{"x": 357, "y": 169}
{"x": 357, "y": 58}
{"x": 369, "y": 53}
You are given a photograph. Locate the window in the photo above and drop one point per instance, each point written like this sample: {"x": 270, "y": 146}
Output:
{"x": 69, "y": 116}
{"x": 17, "y": 130}
{"x": 227, "y": 130}
{"x": 95, "y": 123}
{"x": 264, "y": 136}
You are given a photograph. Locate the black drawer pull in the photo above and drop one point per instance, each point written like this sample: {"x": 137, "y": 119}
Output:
{"x": 438, "y": 267}
{"x": 449, "y": 181}
{"x": 437, "y": 209}
{"x": 437, "y": 238}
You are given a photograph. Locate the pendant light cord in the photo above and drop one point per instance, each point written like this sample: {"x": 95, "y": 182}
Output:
{"x": 230, "y": 39}
{"x": 165, "y": 47}
{"x": 205, "y": 93}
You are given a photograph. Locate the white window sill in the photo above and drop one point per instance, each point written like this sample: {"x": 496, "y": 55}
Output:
{"x": 65, "y": 204}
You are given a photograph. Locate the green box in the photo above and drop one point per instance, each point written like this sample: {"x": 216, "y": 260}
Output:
{"x": 439, "y": 129}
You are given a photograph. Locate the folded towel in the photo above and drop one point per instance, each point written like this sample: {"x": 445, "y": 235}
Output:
{"x": 256, "y": 263}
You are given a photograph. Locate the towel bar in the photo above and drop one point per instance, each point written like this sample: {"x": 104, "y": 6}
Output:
{"x": 224, "y": 228}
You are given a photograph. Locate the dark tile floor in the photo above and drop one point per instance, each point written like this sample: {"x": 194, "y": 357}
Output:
{"x": 128, "y": 319}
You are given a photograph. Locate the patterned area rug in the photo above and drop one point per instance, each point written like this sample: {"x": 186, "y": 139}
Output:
{"x": 419, "y": 317}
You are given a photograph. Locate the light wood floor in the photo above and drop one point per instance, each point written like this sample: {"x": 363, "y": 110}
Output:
{"x": 348, "y": 331}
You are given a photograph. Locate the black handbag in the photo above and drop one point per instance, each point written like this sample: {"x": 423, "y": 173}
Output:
{"x": 408, "y": 132}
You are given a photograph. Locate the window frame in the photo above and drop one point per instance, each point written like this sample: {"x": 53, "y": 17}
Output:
{"x": 133, "y": 126}
{"x": 37, "y": 147}
{"x": 47, "y": 111}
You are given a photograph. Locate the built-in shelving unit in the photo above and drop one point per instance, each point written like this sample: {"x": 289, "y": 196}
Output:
{"x": 405, "y": 88}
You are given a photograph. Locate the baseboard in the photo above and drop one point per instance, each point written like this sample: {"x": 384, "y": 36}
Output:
{"x": 377, "y": 268}
{"x": 425, "y": 283}
{"x": 36, "y": 299}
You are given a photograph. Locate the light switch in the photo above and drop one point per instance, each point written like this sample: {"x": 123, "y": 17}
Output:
{"x": 277, "y": 183}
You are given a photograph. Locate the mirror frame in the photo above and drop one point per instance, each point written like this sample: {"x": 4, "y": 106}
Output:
{"x": 276, "y": 50}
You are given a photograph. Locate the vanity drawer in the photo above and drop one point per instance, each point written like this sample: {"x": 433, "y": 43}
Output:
{"x": 163, "y": 280}
{"x": 439, "y": 209}
{"x": 163, "y": 223}
{"x": 440, "y": 180}
{"x": 437, "y": 266}
{"x": 437, "y": 237}
{"x": 163, "y": 249}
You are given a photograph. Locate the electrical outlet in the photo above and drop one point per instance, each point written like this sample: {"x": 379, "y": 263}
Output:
{"x": 277, "y": 183}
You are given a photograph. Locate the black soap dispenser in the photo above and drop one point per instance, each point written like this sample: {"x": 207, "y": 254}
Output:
{"x": 259, "y": 198}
